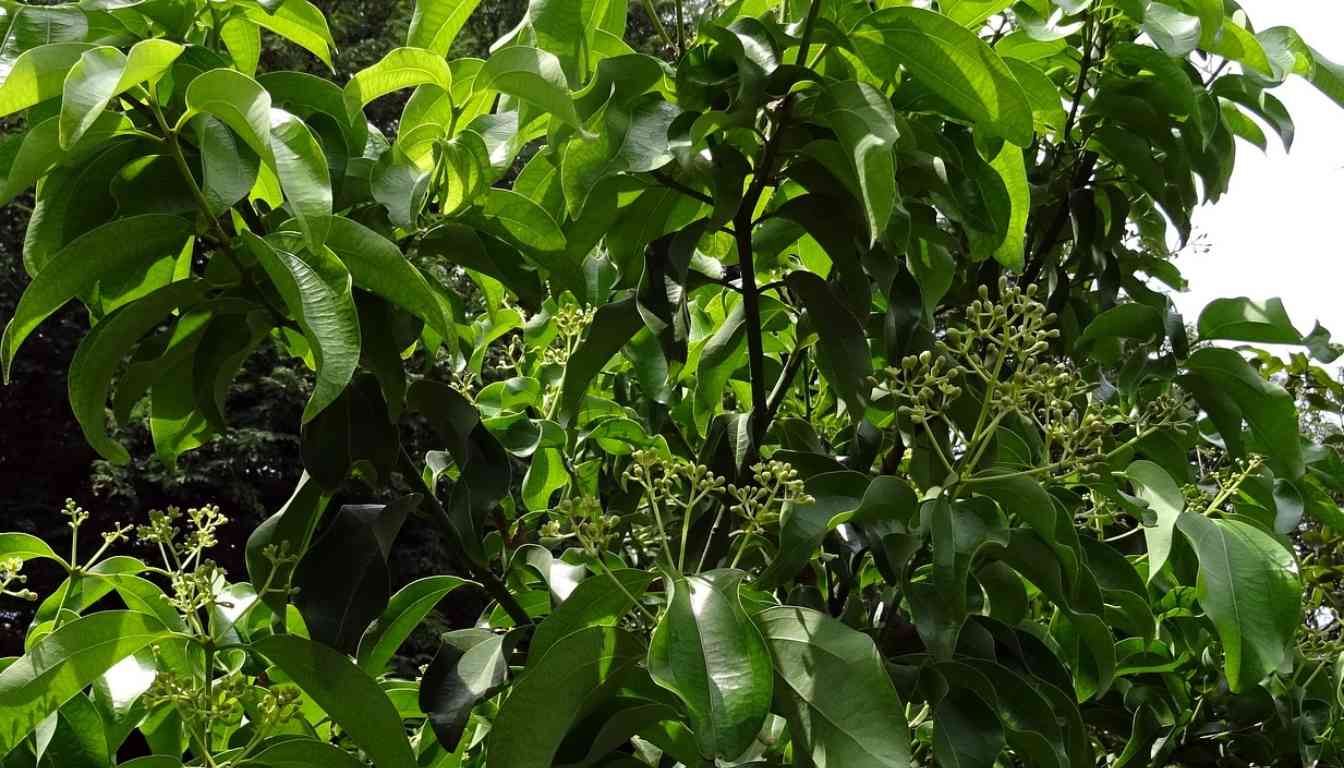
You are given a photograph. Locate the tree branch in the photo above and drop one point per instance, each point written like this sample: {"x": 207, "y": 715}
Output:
{"x": 493, "y": 586}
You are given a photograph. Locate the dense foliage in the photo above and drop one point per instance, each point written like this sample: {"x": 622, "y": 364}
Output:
{"x": 798, "y": 391}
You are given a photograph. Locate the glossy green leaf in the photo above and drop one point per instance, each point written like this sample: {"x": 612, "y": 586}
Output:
{"x": 472, "y": 665}
{"x": 1242, "y": 319}
{"x": 707, "y": 652}
{"x": 102, "y": 74}
{"x": 435, "y": 23}
{"x": 834, "y": 691}
{"x": 1249, "y": 587}
{"x": 289, "y": 530}
{"x": 377, "y": 265}
{"x": 951, "y": 61}
{"x": 575, "y": 674}
{"x": 1266, "y": 407}
{"x": 595, "y": 602}
{"x": 843, "y": 341}
{"x": 302, "y": 169}
{"x": 123, "y": 248}
{"x": 316, "y": 288}
{"x": 346, "y": 693}
{"x": 298, "y": 21}
{"x": 404, "y": 612}
{"x": 64, "y": 662}
{"x": 400, "y": 68}
{"x": 612, "y": 328}
{"x": 533, "y": 75}
{"x": 630, "y": 140}
{"x": 1153, "y": 485}
{"x": 38, "y": 74}
{"x": 863, "y": 121}
{"x": 239, "y": 102}
{"x": 301, "y": 753}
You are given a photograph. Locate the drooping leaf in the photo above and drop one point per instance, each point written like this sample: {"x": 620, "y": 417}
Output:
{"x": 533, "y": 75}
{"x": 404, "y": 612}
{"x": 471, "y": 665}
{"x": 1249, "y": 587}
{"x": 832, "y": 688}
{"x": 316, "y": 288}
{"x": 344, "y": 692}
{"x": 594, "y": 602}
{"x": 1242, "y": 319}
{"x": 400, "y": 68}
{"x": 124, "y": 247}
{"x": 1153, "y": 485}
{"x": 435, "y": 23}
{"x": 103, "y": 73}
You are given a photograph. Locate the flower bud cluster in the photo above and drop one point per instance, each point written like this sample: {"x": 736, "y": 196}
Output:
{"x": 584, "y": 519}
{"x": 571, "y": 320}
{"x": 202, "y": 526}
{"x": 924, "y": 386}
{"x": 759, "y": 506}
{"x": 10, "y": 568}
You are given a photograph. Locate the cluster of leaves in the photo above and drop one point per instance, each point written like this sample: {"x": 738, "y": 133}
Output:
{"x": 834, "y": 417}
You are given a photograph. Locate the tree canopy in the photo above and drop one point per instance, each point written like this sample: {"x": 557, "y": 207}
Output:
{"x": 800, "y": 387}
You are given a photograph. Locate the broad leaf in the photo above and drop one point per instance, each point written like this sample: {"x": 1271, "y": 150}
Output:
{"x": 404, "y": 612}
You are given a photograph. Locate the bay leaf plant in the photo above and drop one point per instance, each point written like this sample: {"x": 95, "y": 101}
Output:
{"x": 804, "y": 394}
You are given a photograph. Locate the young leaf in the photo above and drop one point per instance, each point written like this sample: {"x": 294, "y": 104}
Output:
{"x": 435, "y": 23}
{"x": 102, "y": 74}
{"x": 38, "y": 74}
{"x": 298, "y": 21}
{"x": 400, "y": 68}
{"x": 344, "y": 692}
{"x": 532, "y": 75}
{"x": 1153, "y": 485}
{"x": 707, "y": 652}
{"x": 301, "y": 167}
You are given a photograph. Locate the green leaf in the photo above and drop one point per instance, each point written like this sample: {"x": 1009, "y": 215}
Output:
{"x": 522, "y": 220}
{"x": 26, "y": 546}
{"x": 1047, "y": 108}
{"x": 843, "y": 340}
{"x": 298, "y": 21}
{"x": 471, "y": 665}
{"x": 38, "y": 150}
{"x": 629, "y": 140}
{"x": 242, "y": 39}
{"x": 533, "y": 75}
{"x": 435, "y": 23}
{"x": 400, "y": 68}
{"x": 100, "y": 353}
{"x": 546, "y": 474}
{"x": 343, "y": 580}
{"x": 345, "y": 693}
{"x": 290, "y": 530}
{"x": 404, "y": 612}
{"x": 316, "y": 289}
{"x": 102, "y": 74}
{"x": 1248, "y": 586}
{"x": 228, "y": 169}
{"x": 1125, "y": 321}
{"x": 377, "y": 265}
{"x": 613, "y": 326}
{"x": 1242, "y": 319}
{"x": 574, "y": 675}
{"x": 38, "y": 74}
{"x": 123, "y": 248}
{"x": 64, "y": 662}
{"x": 595, "y": 602}
{"x": 972, "y": 13}
{"x": 299, "y": 753}
{"x": 834, "y": 690}
{"x": 302, "y": 169}
{"x": 1011, "y": 167}
{"x": 1174, "y": 32}
{"x": 239, "y": 102}
{"x": 865, "y": 124}
{"x": 1221, "y": 378}
{"x": 707, "y": 652}
{"x": 966, "y": 731}
{"x": 951, "y": 61}
{"x": 1153, "y": 485}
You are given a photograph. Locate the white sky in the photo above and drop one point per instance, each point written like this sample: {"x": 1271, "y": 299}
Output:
{"x": 1278, "y": 232}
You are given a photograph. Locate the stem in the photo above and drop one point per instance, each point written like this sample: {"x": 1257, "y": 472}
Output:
{"x": 658, "y": 23}
{"x": 681, "y": 24}
{"x": 709, "y": 540}
{"x": 785, "y": 382}
{"x": 493, "y": 586}
{"x": 605, "y": 569}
